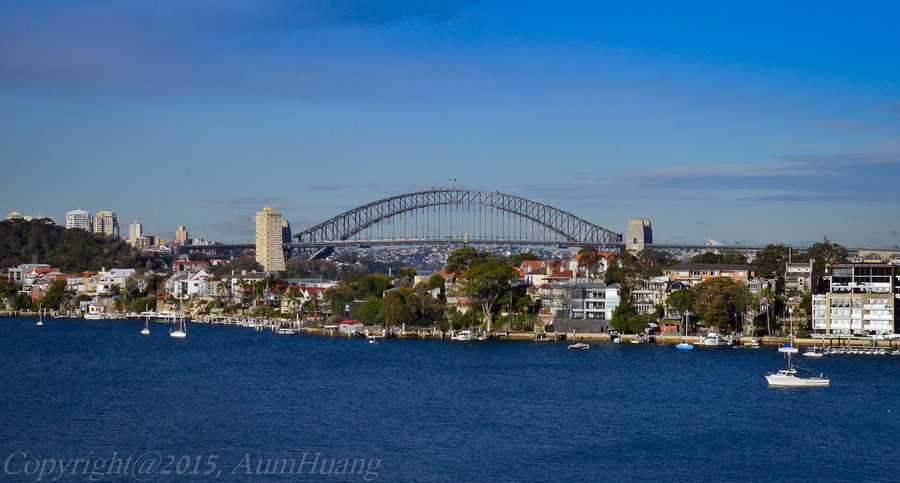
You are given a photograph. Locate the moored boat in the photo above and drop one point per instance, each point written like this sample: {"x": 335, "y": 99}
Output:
{"x": 465, "y": 335}
{"x": 789, "y": 377}
{"x": 713, "y": 339}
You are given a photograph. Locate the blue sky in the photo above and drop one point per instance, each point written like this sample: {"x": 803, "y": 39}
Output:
{"x": 751, "y": 122}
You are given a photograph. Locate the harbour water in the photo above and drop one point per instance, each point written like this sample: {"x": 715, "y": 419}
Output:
{"x": 232, "y": 400}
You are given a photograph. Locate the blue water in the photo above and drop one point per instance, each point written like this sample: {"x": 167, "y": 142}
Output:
{"x": 433, "y": 410}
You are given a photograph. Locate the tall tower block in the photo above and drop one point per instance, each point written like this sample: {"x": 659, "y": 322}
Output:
{"x": 269, "y": 253}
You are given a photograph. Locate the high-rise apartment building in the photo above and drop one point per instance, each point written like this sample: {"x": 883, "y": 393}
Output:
{"x": 861, "y": 300}
{"x": 79, "y": 219}
{"x": 135, "y": 231}
{"x": 106, "y": 222}
{"x": 269, "y": 252}
{"x": 181, "y": 236}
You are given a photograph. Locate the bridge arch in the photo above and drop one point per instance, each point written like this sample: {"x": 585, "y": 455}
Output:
{"x": 570, "y": 228}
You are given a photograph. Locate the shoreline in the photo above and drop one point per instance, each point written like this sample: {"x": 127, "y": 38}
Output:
{"x": 773, "y": 341}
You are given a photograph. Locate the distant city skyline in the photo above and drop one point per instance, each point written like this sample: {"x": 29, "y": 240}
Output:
{"x": 752, "y": 123}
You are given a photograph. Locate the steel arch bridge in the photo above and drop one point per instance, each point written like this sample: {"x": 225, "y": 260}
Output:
{"x": 455, "y": 216}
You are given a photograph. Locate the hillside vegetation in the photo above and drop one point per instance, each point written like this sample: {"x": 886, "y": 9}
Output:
{"x": 42, "y": 241}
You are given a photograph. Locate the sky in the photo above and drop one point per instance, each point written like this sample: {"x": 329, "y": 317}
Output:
{"x": 750, "y": 122}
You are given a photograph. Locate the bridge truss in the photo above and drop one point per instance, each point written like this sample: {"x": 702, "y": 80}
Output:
{"x": 456, "y": 216}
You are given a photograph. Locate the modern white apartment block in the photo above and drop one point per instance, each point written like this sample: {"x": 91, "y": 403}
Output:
{"x": 106, "y": 222}
{"x": 861, "y": 301}
{"x": 135, "y": 231}
{"x": 269, "y": 252}
{"x": 594, "y": 301}
{"x": 79, "y": 219}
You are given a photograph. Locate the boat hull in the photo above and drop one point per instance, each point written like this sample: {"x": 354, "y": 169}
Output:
{"x": 789, "y": 378}
{"x": 797, "y": 381}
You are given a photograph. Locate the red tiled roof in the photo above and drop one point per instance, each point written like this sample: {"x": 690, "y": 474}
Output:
{"x": 563, "y": 274}
{"x": 533, "y": 264}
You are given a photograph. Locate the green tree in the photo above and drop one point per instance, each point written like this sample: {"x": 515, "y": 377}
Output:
{"x": 436, "y": 281}
{"x": 197, "y": 257}
{"x": 729, "y": 256}
{"x": 372, "y": 311}
{"x": 588, "y": 258}
{"x": 621, "y": 315}
{"x": 715, "y": 300}
{"x": 395, "y": 310}
{"x": 516, "y": 260}
{"x": 706, "y": 257}
{"x": 462, "y": 258}
{"x": 407, "y": 275}
{"x": 238, "y": 266}
{"x": 56, "y": 296}
{"x": 680, "y": 301}
{"x": 827, "y": 253}
{"x": 485, "y": 283}
{"x": 770, "y": 262}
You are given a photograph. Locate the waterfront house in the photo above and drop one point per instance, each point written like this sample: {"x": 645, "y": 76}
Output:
{"x": 113, "y": 278}
{"x": 691, "y": 273}
{"x": 17, "y": 274}
{"x": 349, "y": 326}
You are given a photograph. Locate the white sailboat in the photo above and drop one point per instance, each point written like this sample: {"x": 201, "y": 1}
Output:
{"x": 146, "y": 329}
{"x": 789, "y": 378}
{"x": 181, "y": 331}
{"x": 790, "y": 348}
{"x": 40, "y": 317}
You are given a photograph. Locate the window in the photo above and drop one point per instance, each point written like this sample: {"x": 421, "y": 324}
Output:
{"x": 842, "y": 272}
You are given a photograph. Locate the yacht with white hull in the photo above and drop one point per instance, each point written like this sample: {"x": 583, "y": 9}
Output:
{"x": 789, "y": 377}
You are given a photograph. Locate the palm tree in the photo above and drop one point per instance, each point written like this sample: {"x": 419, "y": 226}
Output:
{"x": 293, "y": 295}
{"x": 766, "y": 297}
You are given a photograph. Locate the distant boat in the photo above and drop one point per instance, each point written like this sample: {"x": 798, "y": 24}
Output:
{"x": 465, "y": 335}
{"x": 684, "y": 344}
{"x": 40, "y": 318}
{"x": 146, "y": 329}
{"x": 179, "y": 332}
{"x": 813, "y": 352}
{"x": 752, "y": 343}
{"x": 639, "y": 339}
{"x": 713, "y": 339}
{"x": 788, "y": 349}
{"x": 789, "y": 378}
{"x": 579, "y": 346}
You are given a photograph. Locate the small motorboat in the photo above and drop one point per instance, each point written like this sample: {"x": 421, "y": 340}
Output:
{"x": 579, "y": 346}
{"x": 789, "y": 378}
{"x": 713, "y": 339}
{"x": 788, "y": 349}
{"x": 465, "y": 335}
